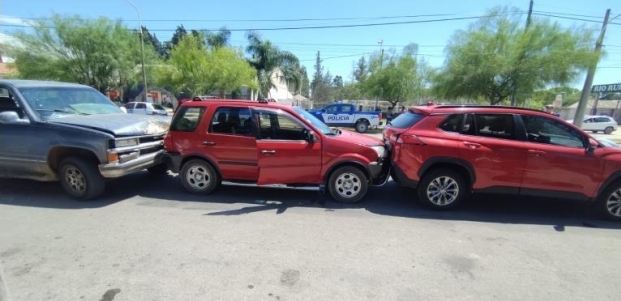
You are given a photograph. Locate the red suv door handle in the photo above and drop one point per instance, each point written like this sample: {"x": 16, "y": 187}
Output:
{"x": 268, "y": 152}
{"x": 471, "y": 144}
{"x": 209, "y": 143}
{"x": 536, "y": 152}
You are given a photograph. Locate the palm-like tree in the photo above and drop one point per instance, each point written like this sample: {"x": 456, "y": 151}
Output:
{"x": 268, "y": 59}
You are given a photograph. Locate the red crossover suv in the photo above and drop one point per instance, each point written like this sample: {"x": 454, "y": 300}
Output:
{"x": 448, "y": 151}
{"x": 269, "y": 143}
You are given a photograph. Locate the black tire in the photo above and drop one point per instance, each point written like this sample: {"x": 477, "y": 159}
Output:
{"x": 608, "y": 130}
{"x": 608, "y": 204}
{"x": 348, "y": 184}
{"x": 594, "y": 132}
{"x": 158, "y": 170}
{"x": 199, "y": 177}
{"x": 361, "y": 126}
{"x": 453, "y": 181}
{"x": 81, "y": 178}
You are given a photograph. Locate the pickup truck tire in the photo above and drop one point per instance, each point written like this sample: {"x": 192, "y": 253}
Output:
{"x": 199, "y": 177}
{"x": 80, "y": 178}
{"x": 441, "y": 189}
{"x": 348, "y": 184}
{"x": 361, "y": 126}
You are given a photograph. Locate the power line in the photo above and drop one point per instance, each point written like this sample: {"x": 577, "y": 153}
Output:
{"x": 572, "y": 18}
{"x": 277, "y": 20}
{"x": 566, "y": 14}
{"x": 322, "y": 26}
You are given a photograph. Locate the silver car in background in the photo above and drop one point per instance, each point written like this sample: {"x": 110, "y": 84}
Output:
{"x": 145, "y": 108}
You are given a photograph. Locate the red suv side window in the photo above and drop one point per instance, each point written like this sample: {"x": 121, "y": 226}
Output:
{"x": 544, "y": 130}
{"x": 233, "y": 121}
{"x": 187, "y": 119}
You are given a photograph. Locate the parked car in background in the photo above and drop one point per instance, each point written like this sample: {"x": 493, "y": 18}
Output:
{"x": 447, "y": 152}
{"x": 53, "y": 131}
{"x": 346, "y": 115}
{"x": 269, "y": 143}
{"x": 598, "y": 124}
{"x": 145, "y": 108}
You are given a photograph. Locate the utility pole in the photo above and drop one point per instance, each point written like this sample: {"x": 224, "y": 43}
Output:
{"x": 588, "y": 82}
{"x": 528, "y": 19}
{"x": 530, "y": 13}
{"x": 380, "y": 42}
{"x": 144, "y": 71}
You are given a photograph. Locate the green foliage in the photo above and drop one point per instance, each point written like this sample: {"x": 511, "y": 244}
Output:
{"x": 99, "y": 53}
{"x": 396, "y": 80}
{"x": 497, "y": 57}
{"x": 322, "y": 83}
{"x": 544, "y": 97}
{"x": 266, "y": 58}
{"x": 196, "y": 70}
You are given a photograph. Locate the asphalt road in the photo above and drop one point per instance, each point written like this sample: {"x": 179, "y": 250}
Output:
{"x": 150, "y": 240}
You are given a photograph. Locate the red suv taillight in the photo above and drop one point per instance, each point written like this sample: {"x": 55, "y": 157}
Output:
{"x": 168, "y": 142}
{"x": 410, "y": 139}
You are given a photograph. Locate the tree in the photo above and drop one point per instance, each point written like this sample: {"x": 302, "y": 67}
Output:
{"x": 321, "y": 82}
{"x": 396, "y": 81}
{"x": 218, "y": 39}
{"x": 496, "y": 57}
{"x": 266, "y": 58}
{"x": 305, "y": 85}
{"x": 196, "y": 70}
{"x": 100, "y": 53}
{"x": 360, "y": 70}
{"x": 151, "y": 39}
{"x": 337, "y": 82}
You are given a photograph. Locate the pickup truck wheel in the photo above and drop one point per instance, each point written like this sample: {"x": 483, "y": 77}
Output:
{"x": 81, "y": 179}
{"x": 158, "y": 170}
{"x": 609, "y": 202}
{"x": 361, "y": 126}
{"x": 199, "y": 177}
{"x": 608, "y": 130}
{"x": 348, "y": 184}
{"x": 441, "y": 189}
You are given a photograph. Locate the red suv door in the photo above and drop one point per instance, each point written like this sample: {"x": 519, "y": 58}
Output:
{"x": 489, "y": 144}
{"x": 284, "y": 154}
{"x": 230, "y": 141}
{"x": 558, "y": 164}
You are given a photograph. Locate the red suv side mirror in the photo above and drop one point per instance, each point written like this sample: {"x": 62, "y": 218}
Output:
{"x": 593, "y": 144}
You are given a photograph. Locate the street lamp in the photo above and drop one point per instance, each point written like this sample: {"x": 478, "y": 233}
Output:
{"x": 144, "y": 71}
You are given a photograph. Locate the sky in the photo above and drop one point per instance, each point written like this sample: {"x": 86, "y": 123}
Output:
{"x": 339, "y": 47}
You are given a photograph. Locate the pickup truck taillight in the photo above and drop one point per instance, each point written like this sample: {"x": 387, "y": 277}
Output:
{"x": 379, "y": 115}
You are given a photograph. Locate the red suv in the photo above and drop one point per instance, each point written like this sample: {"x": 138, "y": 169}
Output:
{"x": 269, "y": 143}
{"x": 448, "y": 151}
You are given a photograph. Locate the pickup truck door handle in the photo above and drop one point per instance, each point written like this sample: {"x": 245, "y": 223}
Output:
{"x": 268, "y": 152}
{"x": 472, "y": 144}
{"x": 536, "y": 152}
{"x": 208, "y": 143}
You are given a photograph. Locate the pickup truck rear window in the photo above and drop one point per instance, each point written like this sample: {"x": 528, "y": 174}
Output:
{"x": 406, "y": 120}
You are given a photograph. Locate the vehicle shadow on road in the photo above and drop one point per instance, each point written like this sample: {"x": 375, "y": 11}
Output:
{"x": 392, "y": 200}
{"x": 29, "y": 193}
{"x": 389, "y": 200}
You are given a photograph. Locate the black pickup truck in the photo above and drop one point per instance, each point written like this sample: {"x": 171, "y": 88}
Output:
{"x": 55, "y": 131}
